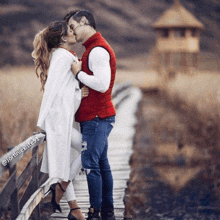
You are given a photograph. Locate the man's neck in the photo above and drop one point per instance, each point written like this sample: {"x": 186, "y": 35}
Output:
{"x": 88, "y": 35}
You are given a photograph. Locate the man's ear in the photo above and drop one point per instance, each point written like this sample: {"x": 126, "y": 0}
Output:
{"x": 84, "y": 20}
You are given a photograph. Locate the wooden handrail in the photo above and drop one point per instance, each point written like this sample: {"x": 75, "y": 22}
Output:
{"x": 13, "y": 156}
{"x": 35, "y": 200}
{"x": 9, "y": 193}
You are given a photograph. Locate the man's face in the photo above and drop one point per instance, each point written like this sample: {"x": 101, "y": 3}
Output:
{"x": 76, "y": 28}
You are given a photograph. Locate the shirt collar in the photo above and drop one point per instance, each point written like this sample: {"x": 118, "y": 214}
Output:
{"x": 95, "y": 36}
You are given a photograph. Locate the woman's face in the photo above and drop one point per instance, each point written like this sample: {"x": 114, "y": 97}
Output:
{"x": 71, "y": 39}
{"x": 76, "y": 27}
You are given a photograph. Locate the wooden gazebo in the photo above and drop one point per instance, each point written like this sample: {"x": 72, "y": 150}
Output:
{"x": 178, "y": 37}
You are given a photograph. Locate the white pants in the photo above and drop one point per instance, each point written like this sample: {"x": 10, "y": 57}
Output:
{"x": 75, "y": 166}
{"x": 70, "y": 193}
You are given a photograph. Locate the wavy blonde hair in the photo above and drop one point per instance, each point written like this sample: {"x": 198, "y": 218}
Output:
{"x": 44, "y": 42}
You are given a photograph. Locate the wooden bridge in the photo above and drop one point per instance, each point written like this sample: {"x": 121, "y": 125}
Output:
{"x": 126, "y": 99}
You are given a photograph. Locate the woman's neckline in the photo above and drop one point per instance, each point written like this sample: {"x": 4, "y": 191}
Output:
{"x": 69, "y": 50}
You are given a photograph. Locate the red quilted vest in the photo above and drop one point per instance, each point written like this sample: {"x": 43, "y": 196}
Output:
{"x": 97, "y": 103}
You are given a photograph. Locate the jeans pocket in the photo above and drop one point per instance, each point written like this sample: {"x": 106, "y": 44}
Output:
{"x": 89, "y": 127}
{"x": 109, "y": 128}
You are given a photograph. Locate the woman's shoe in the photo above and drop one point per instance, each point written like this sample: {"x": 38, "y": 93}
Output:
{"x": 53, "y": 199}
{"x": 70, "y": 216}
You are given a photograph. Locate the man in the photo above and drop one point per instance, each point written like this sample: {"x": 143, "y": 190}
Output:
{"x": 96, "y": 113}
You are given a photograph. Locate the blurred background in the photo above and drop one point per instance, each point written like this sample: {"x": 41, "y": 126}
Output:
{"x": 125, "y": 24}
{"x": 179, "y": 110}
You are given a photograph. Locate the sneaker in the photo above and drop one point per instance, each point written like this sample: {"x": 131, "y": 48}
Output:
{"x": 93, "y": 214}
{"x": 108, "y": 214}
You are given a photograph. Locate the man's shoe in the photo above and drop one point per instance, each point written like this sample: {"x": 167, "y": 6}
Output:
{"x": 93, "y": 214}
{"x": 108, "y": 214}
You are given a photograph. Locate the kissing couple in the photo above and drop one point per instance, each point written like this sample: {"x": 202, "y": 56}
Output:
{"x": 76, "y": 112}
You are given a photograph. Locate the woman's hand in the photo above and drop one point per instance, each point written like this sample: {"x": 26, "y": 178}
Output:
{"x": 76, "y": 67}
{"x": 85, "y": 91}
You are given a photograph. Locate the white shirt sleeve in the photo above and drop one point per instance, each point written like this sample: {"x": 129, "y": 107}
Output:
{"x": 99, "y": 64}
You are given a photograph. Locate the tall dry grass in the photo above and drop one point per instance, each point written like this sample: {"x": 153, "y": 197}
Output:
{"x": 192, "y": 118}
{"x": 19, "y": 105}
{"x": 177, "y": 140}
{"x": 199, "y": 88}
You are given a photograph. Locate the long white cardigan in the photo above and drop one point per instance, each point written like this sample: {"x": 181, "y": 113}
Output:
{"x": 61, "y": 99}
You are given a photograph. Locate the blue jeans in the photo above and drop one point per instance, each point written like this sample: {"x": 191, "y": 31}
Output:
{"x": 95, "y": 161}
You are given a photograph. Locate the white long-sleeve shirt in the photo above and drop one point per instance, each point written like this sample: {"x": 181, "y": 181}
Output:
{"x": 99, "y": 64}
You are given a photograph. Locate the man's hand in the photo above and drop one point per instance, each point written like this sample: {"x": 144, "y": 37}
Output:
{"x": 76, "y": 67}
{"x": 85, "y": 91}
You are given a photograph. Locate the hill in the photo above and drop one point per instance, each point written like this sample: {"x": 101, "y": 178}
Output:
{"x": 126, "y": 24}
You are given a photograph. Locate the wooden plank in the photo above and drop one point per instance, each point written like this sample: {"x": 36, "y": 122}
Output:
{"x": 119, "y": 213}
{"x": 118, "y": 88}
{"x": 14, "y": 155}
{"x": 7, "y": 190}
{"x": 43, "y": 177}
{"x": 27, "y": 172}
{"x": 35, "y": 179}
{"x": 15, "y": 209}
{"x": 35, "y": 199}
{"x": 33, "y": 184}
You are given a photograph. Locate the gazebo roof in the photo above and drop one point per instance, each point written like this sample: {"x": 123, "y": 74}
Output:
{"x": 177, "y": 16}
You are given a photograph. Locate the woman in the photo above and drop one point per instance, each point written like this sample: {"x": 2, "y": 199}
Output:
{"x": 61, "y": 99}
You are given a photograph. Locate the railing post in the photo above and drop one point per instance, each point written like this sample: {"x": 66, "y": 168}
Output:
{"x": 14, "y": 196}
{"x": 35, "y": 181}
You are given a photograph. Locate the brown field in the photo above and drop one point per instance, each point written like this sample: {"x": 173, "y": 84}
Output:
{"x": 21, "y": 95}
{"x": 19, "y": 106}
{"x": 21, "y": 98}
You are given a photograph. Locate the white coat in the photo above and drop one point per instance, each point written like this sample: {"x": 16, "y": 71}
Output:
{"x": 61, "y": 99}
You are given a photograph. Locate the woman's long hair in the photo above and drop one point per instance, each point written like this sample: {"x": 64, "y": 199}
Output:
{"x": 44, "y": 42}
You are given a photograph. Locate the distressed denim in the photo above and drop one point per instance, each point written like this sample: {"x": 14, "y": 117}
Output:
{"x": 95, "y": 161}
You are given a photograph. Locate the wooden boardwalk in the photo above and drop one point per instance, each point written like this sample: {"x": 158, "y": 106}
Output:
{"x": 120, "y": 149}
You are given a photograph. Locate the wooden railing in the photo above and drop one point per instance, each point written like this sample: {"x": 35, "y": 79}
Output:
{"x": 10, "y": 204}
{"x": 21, "y": 208}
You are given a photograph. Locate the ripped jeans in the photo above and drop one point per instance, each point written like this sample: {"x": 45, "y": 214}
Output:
{"x": 95, "y": 161}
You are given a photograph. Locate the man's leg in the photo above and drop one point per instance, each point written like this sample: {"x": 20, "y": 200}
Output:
{"x": 107, "y": 180}
{"x": 92, "y": 136}
{"x": 107, "y": 185}
{"x": 95, "y": 134}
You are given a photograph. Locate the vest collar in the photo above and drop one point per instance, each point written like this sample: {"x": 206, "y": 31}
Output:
{"x": 94, "y": 37}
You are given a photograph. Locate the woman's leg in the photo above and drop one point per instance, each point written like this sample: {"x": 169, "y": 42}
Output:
{"x": 74, "y": 170}
{"x": 75, "y": 167}
{"x": 77, "y": 212}
{"x": 59, "y": 191}
{"x": 71, "y": 199}
{"x": 76, "y": 140}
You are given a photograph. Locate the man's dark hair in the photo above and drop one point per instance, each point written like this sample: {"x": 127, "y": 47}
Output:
{"x": 69, "y": 15}
{"x": 88, "y": 15}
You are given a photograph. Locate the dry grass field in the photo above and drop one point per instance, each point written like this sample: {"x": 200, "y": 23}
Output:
{"x": 21, "y": 98}
{"x": 201, "y": 88}
{"x": 21, "y": 95}
{"x": 176, "y": 148}
{"x": 197, "y": 95}
{"x": 19, "y": 106}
